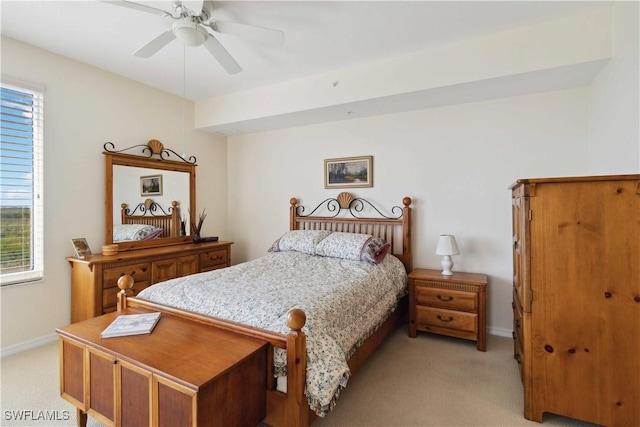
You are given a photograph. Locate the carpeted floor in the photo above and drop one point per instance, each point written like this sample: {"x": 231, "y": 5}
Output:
{"x": 425, "y": 381}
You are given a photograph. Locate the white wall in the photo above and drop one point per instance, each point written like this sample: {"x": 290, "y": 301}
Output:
{"x": 614, "y": 100}
{"x": 456, "y": 163}
{"x": 84, "y": 108}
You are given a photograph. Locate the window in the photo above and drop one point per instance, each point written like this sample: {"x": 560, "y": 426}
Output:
{"x": 21, "y": 198}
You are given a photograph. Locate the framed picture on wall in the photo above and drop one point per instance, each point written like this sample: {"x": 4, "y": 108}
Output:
{"x": 151, "y": 185}
{"x": 348, "y": 172}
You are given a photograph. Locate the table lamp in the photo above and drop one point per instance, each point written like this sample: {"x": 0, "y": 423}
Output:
{"x": 447, "y": 246}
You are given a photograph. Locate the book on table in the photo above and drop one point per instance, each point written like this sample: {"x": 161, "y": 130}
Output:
{"x": 131, "y": 324}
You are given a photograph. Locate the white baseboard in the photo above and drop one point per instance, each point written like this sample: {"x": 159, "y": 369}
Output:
{"x": 28, "y": 345}
{"x": 501, "y": 332}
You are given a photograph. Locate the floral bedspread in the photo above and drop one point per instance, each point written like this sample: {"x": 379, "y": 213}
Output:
{"x": 344, "y": 301}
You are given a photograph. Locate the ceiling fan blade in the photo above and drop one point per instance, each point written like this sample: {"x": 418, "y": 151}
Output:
{"x": 250, "y": 32}
{"x": 148, "y": 50}
{"x": 138, "y": 6}
{"x": 222, "y": 55}
{"x": 194, "y": 5}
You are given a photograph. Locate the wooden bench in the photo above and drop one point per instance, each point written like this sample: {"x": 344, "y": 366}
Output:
{"x": 183, "y": 373}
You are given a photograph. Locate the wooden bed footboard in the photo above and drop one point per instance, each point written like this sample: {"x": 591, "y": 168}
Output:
{"x": 289, "y": 409}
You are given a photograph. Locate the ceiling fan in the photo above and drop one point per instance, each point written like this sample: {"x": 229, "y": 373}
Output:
{"x": 192, "y": 22}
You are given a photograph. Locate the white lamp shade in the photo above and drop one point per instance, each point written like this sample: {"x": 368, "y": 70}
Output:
{"x": 447, "y": 245}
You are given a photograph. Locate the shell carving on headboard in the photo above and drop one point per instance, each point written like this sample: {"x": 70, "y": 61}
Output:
{"x": 344, "y": 200}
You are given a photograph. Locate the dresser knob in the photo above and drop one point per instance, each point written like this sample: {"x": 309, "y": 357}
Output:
{"x": 445, "y": 299}
{"x": 445, "y": 320}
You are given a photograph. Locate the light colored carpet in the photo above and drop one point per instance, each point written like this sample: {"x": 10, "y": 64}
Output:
{"x": 425, "y": 381}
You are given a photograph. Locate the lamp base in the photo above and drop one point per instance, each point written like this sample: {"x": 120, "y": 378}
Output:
{"x": 447, "y": 265}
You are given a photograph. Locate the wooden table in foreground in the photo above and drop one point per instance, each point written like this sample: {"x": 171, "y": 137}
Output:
{"x": 182, "y": 374}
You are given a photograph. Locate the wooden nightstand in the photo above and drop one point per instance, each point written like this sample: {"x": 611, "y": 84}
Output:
{"x": 448, "y": 305}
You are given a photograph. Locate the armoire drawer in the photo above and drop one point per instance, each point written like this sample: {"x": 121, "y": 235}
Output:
{"x": 518, "y": 352}
{"x": 517, "y": 317}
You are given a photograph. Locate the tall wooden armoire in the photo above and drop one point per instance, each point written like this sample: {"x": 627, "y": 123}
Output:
{"x": 576, "y": 297}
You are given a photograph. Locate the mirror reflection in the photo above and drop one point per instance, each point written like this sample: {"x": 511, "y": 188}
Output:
{"x": 135, "y": 187}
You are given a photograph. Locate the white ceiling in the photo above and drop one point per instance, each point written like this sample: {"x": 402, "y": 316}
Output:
{"x": 319, "y": 36}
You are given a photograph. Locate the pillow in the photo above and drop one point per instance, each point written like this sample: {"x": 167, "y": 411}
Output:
{"x": 377, "y": 250}
{"x": 354, "y": 246}
{"x": 125, "y": 232}
{"x": 304, "y": 241}
{"x": 149, "y": 233}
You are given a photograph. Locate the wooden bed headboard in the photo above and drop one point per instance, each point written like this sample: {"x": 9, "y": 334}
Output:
{"x": 395, "y": 229}
{"x": 151, "y": 213}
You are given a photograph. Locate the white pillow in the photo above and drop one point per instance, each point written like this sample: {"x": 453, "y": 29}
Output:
{"x": 126, "y": 232}
{"x": 304, "y": 241}
{"x": 354, "y": 246}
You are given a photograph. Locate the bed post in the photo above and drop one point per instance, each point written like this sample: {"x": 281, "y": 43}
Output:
{"x": 406, "y": 236}
{"x": 175, "y": 219}
{"x": 296, "y": 411}
{"x": 123, "y": 214}
{"x": 292, "y": 213}
{"x": 125, "y": 283}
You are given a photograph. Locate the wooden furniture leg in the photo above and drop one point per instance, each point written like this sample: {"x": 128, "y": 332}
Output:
{"x": 81, "y": 418}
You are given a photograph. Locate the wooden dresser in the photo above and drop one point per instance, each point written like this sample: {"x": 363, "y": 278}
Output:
{"x": 94, "y": 279}
{"x": 576, "y": 297}
{"x": 181, "y": 374}
{"x": 448, "y": 305}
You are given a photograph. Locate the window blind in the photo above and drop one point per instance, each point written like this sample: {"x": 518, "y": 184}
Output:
{"x": 21, "y": 185}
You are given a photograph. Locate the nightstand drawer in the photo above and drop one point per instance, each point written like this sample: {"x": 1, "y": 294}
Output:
{"x": 445, "y": 298}
{"x": 441, "y": 318}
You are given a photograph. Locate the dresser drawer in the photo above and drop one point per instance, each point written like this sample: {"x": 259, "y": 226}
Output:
{"x": 214, "y": 259}
{"x": 427, "y": 317}
{"x": 140, "y": 273}
{"x": 110, "y": 295}
{"x": 450, "y": 299}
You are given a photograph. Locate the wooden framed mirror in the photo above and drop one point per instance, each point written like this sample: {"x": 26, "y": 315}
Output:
{"x": 149, "y": 190}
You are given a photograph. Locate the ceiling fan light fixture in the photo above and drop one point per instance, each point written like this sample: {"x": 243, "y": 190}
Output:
{"x": 190, "y": 33}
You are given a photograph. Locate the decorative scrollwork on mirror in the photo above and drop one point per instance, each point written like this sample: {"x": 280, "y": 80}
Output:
{"x": 131, "y": 179}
